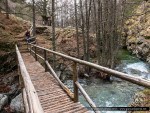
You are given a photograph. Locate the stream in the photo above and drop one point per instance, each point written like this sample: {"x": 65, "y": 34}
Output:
{"x": 118, "y": 93}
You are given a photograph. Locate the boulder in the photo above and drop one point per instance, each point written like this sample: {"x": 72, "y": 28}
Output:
{"x": 8, "y": 80}
{"x": 17, "y": 104}
{"x": 140, "y": 40}
{"x": 148, "y": 58}
{"x": 3, "y": 101}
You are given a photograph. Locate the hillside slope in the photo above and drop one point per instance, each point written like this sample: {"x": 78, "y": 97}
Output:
{"x": 10, "y": 30}
{"x": 138, "y": 32}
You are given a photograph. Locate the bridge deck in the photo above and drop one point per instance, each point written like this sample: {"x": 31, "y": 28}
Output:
{"x": 52, "y": 97}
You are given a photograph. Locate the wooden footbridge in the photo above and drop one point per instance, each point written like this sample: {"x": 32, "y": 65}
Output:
{"x": 43, "y": 92}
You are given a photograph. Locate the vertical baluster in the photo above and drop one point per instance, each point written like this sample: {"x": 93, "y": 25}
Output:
{"x": 45, "y": 59}
{"x": 27, "y": 46}
{"x": 75, "y": 78}
{"x": 30, "y": 48}
{"x": 35, "y": 53}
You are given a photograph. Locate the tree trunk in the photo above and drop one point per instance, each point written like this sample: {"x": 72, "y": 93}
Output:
{"x": 76, "y": 21}
{"x": 45, "y": 19}
{"x": 7, "y": 9}
{"x": 83, "y": 29}
{"x": 33, "y": 10}
{"x": 88, "y": 11}
{"x": 98, "y": 31}
{"x": 53, "y": 33}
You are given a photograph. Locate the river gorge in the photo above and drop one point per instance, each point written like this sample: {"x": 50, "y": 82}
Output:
{"x": 117, "y": 93}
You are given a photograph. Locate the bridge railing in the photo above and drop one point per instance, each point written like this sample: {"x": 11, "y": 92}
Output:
{"x": 76, "y": 61}
{"x": 31, "y": 100}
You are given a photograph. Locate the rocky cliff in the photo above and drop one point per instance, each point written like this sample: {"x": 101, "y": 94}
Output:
{"x": 137, "y": 31}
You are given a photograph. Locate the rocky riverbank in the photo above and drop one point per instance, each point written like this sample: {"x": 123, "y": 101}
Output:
{"x": 141, "y": 99}
{"x": 137, "y": 32}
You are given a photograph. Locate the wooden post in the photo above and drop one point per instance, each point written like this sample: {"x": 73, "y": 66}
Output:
{"x": 25, "y": 100}
{"x": 35, "y": 53}
{"x": 75, "y": 79}
{"x": 45, "y": 59}
{"x": 30, "y": 48}
{"x": 27, "y": 46}
{"x": 19, "y": 74}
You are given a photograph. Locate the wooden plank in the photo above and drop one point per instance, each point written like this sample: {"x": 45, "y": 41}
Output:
{"x": 49, "y": 104}
{"x": 61, "y": 84}
{"x": 77, "y": 110}
{"x": 47, "y": 89}
{"x": 52, "y": 105}
{"x": 57, "y": 106}
{"x": 52, "y": 98}
{"x": 63, "y": 108}
{"x": 49, "y": 93}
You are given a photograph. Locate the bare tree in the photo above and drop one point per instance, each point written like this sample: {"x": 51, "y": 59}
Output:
{"x": 83, "y": 29}
{"x": 33, "y": 10}
{"x": 76, "y": 21}
{"x": 88, "y": 12}
{"x": 7, "y": 9}
{"x": 53, "y": 33}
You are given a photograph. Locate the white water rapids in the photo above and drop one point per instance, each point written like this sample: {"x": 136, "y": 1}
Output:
{"x": 119, "y": 93}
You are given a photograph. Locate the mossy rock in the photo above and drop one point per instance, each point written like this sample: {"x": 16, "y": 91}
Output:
{"x": 2, "y": 26}
{"x": 7, "y": 46}
{"x": 8, "y": 62}
{"x": 141, "y": 99}
{"x": 132, "y": 40}
{"x": 147, "y": 37}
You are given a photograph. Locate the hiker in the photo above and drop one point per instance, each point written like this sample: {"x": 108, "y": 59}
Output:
{"x": 27, "y": 34}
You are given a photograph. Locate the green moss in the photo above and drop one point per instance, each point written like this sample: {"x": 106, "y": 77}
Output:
{"x": 125, "y": 55}
{"x": 146, "y": 92}
{"x": 8, "y": 62}
{"x": 147, "y": 37}
{"x": 131, "y": 7}
{"x": 132, "y": 40}
{"x": 6, "y": 46}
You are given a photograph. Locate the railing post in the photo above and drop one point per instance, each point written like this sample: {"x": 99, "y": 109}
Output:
{"x": 27, "y": 46}
{"x": 75, "y": 78}
{"x": 30, "y": 48}
{"x": 45, "y": 59}
{"x": 19, "y": 74}
{"x": 35, "y": 53}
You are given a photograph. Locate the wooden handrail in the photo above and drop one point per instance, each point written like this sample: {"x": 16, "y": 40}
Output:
{"x": 25, "y": 100}
{"x": 127, "y": 77}
{"x": 32, "y": 97}
{"x": 77, "y": 85}
{"x": 75, "y": 79}
{"x": 61, "y": 84}
{"x": 91, "y": 103}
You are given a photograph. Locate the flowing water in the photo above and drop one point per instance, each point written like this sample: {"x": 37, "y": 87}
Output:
{"x": 117, "y": 93}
